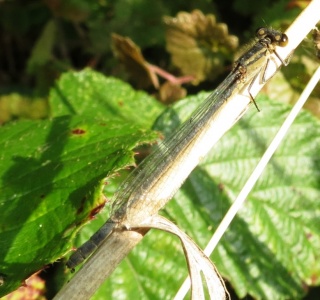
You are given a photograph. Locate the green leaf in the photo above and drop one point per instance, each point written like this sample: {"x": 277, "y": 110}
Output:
{"x": 144, "y": 18}
{"x": 90, "y": 93}
{"x": 52, "y": 175}
{"x": 270, "y": 250}
{"x": 42, "y": 51}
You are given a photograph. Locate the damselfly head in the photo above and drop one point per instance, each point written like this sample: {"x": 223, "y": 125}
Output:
{"x": 275, "y": 36}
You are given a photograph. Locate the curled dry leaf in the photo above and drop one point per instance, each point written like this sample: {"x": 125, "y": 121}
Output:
{"x": 201, "y": 269}
{"x": 130, "y": 55}
{"x": 199, "y": 46}
{"x": 170, "y": 92}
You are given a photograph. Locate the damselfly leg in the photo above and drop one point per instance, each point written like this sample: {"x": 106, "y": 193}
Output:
{"x": 268, "y": 39}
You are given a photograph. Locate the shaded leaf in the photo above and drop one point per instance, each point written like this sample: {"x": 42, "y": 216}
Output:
{"x": 73, "y": 10}
{"x": 278, "y": 14}
{"x": 199, "y": 46}
{"x": 42, "y": 51}
{"x": 141, "y": 20}
{"x": 52, "y": 175}
{"x": 130, "y": 55}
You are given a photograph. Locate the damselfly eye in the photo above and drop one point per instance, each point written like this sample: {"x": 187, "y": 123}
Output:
{"x": 284, "y": 40}
{"x": 272, "y": 36}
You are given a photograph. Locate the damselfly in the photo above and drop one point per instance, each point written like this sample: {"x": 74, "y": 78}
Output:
{"x": 161, "y": 174}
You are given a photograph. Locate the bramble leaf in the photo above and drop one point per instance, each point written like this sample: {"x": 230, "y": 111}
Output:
{"x": 199, "y": 46}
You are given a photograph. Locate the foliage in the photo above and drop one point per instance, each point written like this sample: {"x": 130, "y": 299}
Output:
{"x": 66, "y": 135}
{"x": 50, "y": 175}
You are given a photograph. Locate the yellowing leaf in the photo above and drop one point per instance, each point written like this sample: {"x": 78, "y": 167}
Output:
{"x": 199, "y": 46}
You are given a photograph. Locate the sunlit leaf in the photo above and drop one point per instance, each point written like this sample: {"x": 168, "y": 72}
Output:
{"x": 90, "y": 93}
{"x": 199, "y": 46}
{"x": 271, "y": 249}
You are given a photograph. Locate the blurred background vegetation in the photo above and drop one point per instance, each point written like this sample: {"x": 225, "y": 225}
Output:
{"x": 41, "y": 39}
{"x": 168, "y": 48}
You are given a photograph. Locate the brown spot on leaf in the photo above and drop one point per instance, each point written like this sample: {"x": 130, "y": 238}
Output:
{"x": 96, "y": 210}
{"x": 78, "y": 131}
